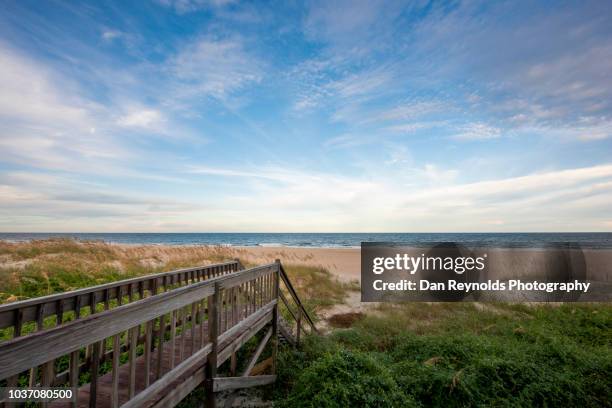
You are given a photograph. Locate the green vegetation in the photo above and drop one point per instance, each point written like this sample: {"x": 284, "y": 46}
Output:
{"x": 456, "y": 355}
{"x": 316, "y": 287}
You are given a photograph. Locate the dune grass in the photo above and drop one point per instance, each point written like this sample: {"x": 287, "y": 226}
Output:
{"x": 38, "y": 268}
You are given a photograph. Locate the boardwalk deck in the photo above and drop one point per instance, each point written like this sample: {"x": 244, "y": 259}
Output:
{"x": 204, "y": 316}
{"x": 104, "y": 389}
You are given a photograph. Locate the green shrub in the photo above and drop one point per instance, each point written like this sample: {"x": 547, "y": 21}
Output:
{"x": 346, "y": 379}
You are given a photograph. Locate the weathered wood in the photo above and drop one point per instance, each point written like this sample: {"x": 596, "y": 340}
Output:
{"x": 232, "y": 383}
{"x": 168, "y": 378}
{"x": 147, "y": 352}
{"x": 276, "y": 290}
{"x": 177, "y": 393}
{"x": 133, "y": 335}
{"x": 193, "y": 327}
{"x": 115, "y": 370}
{"x": 182, "y": 320}
{"x": 229, "y": 402}
{"x": 258, "y": 351}
{"x": 249, "y": 321}
{"x": 74, "y": 373}
{"x": 95, "y": 365}
{"x": 296, "y": 299}
{"x": 237, "y": 278}
{"x": 287, "y": 335}
{"x": 77, "y": 298}
{"x": 47, "y": 376}
{"x": 160, "y": 346}
{"x": 239, "y": 341}
{"x": 299, "y": 326}
{"x": 172, "y": 338}
{"x": 20, "y": 354}
{"x": 240, "y": 309}
{"x": 213, "y": 337}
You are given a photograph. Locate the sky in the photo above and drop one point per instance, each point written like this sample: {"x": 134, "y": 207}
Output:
{"x": 322, "y": 116}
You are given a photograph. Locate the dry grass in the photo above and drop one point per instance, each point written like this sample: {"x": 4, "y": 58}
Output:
{"x": 38, "y": 268}
{"x": 43, "y": 267}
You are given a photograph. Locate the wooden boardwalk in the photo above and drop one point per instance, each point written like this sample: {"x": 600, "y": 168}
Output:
{"x": 158, "y": 337}
{"x": 104, "y": 386}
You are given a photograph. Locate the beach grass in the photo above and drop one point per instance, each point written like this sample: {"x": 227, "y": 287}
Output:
{"x": 38, "y": 268}
{"x": 456, "y": 355}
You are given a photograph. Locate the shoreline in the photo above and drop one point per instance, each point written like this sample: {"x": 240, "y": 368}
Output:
{"x": 343, "y": 262}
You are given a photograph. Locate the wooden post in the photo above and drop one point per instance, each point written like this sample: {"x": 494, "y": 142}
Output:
{"x": 233, "y": 363}
{"x": 213, "y": 336}
{"x": 299, "y": 325}
{"x": 275, "y": 317}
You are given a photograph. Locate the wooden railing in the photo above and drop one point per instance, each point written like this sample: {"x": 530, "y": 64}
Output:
{"x": 299, "y": 316}
{"x": 71, "y": 305}
{"x": 156, "y": 347}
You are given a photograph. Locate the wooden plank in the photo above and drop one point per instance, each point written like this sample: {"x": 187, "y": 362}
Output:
{"x": 47, "y": 376}
{"x": 232, "y": 383}
{"x": 182, "y": 339}
{"x": 95, "y": 365}
{"x": 115, "y": 370}
{"x": 104, "y": 393}
{"x": 74, "y": 374}
{"x": 237, "y": 278}
{"x": 169, "y": 378}
{"x": 193, "y": 326}
{"x": 21, "y": 354}
{"x": 257, "y": 353}
{"x": 59, "y": 312}
{"x": 237, "y": 341}
{"x": 172, "y": 337}
{"x": 275, "y": 319}
{"x": 202, "y": 312}
{"x": 133, "y": 335}
{"x": 229, "y": 402}
{"x": 179, "y": 392}
{"x": 160, "y": 346}
{"x": 214, "y": 303}
{"x": 39, "y": 326}
{"x": 147, "y": 351}
{"x": 296, "y": 299}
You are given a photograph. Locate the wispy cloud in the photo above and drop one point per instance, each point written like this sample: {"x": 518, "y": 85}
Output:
{"x": 477, "y": 131}
{"x": 328, "y": 115}
{"x": 214, "y": 67}
{"x": 187, "y": 6}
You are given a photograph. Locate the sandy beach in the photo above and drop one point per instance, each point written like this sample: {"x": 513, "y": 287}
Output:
{"x": 344, "y": 263}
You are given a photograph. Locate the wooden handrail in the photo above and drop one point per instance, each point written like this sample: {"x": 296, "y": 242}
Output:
{"x": 22, "y": 353}
{"x": 236, "y": 306}
{"x": 295, "y": 296}
{"x": 16, "y": 314}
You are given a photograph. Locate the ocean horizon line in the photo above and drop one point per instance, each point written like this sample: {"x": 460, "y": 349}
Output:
{"x": 587, "y": 240}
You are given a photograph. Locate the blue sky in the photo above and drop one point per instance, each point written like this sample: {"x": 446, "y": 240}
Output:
{"x": 188, "y": 115}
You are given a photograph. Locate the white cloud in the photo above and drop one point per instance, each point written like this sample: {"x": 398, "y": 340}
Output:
{"x": 187, "y": 6}
{"x": 30, "y": 93}
{"x": 217, "y": 68}
{"x": 477, "y": 131}
{"x": 110, "y": 35}
{"x": 143, "y": 118}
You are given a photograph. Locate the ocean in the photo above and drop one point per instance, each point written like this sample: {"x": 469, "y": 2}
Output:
{"x": 590, "y": 240}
